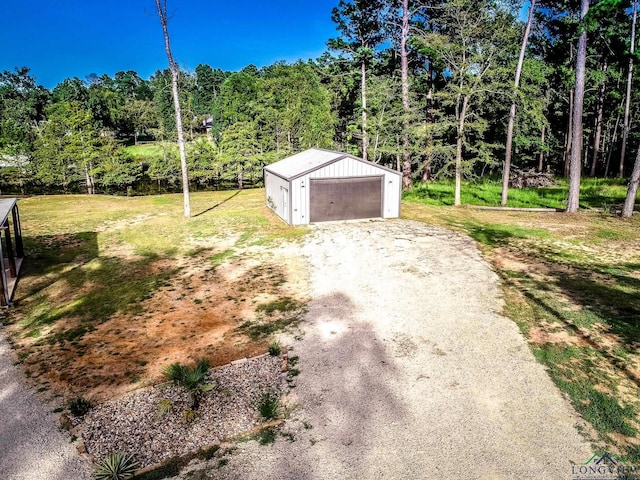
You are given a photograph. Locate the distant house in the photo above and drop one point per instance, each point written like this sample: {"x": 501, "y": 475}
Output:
{"x": 322, "y": 185}
{"x": 206, "y": 125}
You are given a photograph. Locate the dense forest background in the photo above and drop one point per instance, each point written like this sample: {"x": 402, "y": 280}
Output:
{"x": 420, "y": 86}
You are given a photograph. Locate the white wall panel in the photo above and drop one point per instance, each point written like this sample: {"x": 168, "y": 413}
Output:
{"x": 298, "y": 188}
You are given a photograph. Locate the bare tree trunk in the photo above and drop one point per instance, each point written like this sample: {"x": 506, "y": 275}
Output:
{"x": 404, "y": 62}
{"x": 541, "y": 157}
{"x": 89, "y": 180}
{"x": 161, "y": 5}
{"x": 426, "y": 170}
{"x": 567, "y": 151}
{"x": 575, "y": 167}
{"x": 632, "y": 189}
{"x": 598, "y": 132}
{"x": 611, "y": 144}
{"x": 625, "y": 125}
{"x": 461, "y": 119}
{"x": 363, "y": 86}
{"x": 512, "y": 113}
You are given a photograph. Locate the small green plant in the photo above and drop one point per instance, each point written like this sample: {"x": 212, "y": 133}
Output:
{"x": 267, "y": 436}
{"x": 164, "y": 407}
{"x": 190, "y": 416}
{"x": 274, "y": 349}
{"x": 269, "y": 406}
{"x": 193, "y": 379}
{"x": 209, "y": 453}
{"x": 117, "y": 466}
{"x": 79, "y": 406}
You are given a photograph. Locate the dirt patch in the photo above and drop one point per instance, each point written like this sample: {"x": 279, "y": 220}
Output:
{"x": 544, "y": 334}
{"x": 198, "y": 311}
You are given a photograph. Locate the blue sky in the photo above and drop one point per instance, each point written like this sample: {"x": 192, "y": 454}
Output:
{"x": 58, "y": 39}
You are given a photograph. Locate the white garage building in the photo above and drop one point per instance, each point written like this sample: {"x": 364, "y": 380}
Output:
{"x": 322, "y": 185}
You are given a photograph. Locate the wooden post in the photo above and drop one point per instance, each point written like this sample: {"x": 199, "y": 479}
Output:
{"x": 17, "y": 228}
{"x": 4, "y": 298}
{"x": 10, "y": 255}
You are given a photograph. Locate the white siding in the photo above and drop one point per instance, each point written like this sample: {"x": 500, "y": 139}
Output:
{"x": 392, "y": 189}
{"x": 298, "y": 188}
{"x": 300, "y": 201}
{"x": 275, "y": 187}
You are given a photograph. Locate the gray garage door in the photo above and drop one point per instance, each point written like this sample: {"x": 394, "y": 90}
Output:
{"x": 345, "y": 198}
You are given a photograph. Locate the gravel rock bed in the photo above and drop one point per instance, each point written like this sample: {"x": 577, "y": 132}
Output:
{"x": 134, "y": 423}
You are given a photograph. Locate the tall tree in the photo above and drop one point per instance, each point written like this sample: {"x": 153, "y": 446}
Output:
{"x": 240, "y": 151}
{"x": 161, "y": 5}
{"x": 627, "y": 107}
{"x": 512, "y": 113}
{"x": 22, "y": 106}
{"x": 404, "y": 75}
{"x": 471, "y": 42}
{"x": 575, "y": 166}
{"x": 632, "y": 189}
{"x": 360, "y": 23}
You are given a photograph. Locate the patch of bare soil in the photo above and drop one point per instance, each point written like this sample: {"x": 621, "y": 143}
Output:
{"x": 199, "y": 312}
{"x": 547, "y": 334}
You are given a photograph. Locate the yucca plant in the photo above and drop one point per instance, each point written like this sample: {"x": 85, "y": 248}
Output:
{"x": 269, "y": 405}
{"x": 193, "y": 379}
{"x": 274, "y": 349}
{"x": 117, "y": 466}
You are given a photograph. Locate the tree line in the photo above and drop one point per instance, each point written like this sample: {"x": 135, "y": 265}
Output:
{"x": 436, "y": 89}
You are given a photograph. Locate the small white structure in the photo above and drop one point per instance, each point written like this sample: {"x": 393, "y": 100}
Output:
{"x": 322, "y": 185}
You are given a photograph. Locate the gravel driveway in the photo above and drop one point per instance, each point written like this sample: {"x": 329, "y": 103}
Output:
{"x": 31, "y": 446}
{"x": 408, "y": 370}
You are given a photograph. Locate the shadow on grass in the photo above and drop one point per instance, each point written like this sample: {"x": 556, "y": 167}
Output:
{"x": 571, "y": 321}
{"x": 66, "y": 278}
{"x": 217, "y": 204}
{"x": 496, "y": 235}
{"x": 618, "y": 309}
{"x": 575, "y": 369}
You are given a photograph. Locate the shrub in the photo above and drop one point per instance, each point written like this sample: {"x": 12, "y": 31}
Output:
{"x": 117, "y": 466}
{"x": 269, "y": 406}
{"x": 193, "y": 379}
{"x": 274, "y": 349}
{"x": 79, "y": 406}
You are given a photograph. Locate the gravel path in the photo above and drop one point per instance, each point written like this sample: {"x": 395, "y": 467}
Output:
{"x": 31, "y": 446}
{"x": 408, "y": 371}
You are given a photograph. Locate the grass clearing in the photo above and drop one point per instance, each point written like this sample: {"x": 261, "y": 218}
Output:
{"x": 594, "y": 193}
{"x": 145, "y": 152}
{"x": 113, "y": 288}
{"x": 572, "y": 285}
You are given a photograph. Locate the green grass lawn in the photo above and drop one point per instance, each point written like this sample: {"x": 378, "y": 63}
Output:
{"x": 146, "y": 152}
{"x": 101, "y": 272}
{"x": 572, "y": 284}
{"x": 594, "y": 193}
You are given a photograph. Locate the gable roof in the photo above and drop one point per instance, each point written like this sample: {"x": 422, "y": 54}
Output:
{"x": 302, "y": 163}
